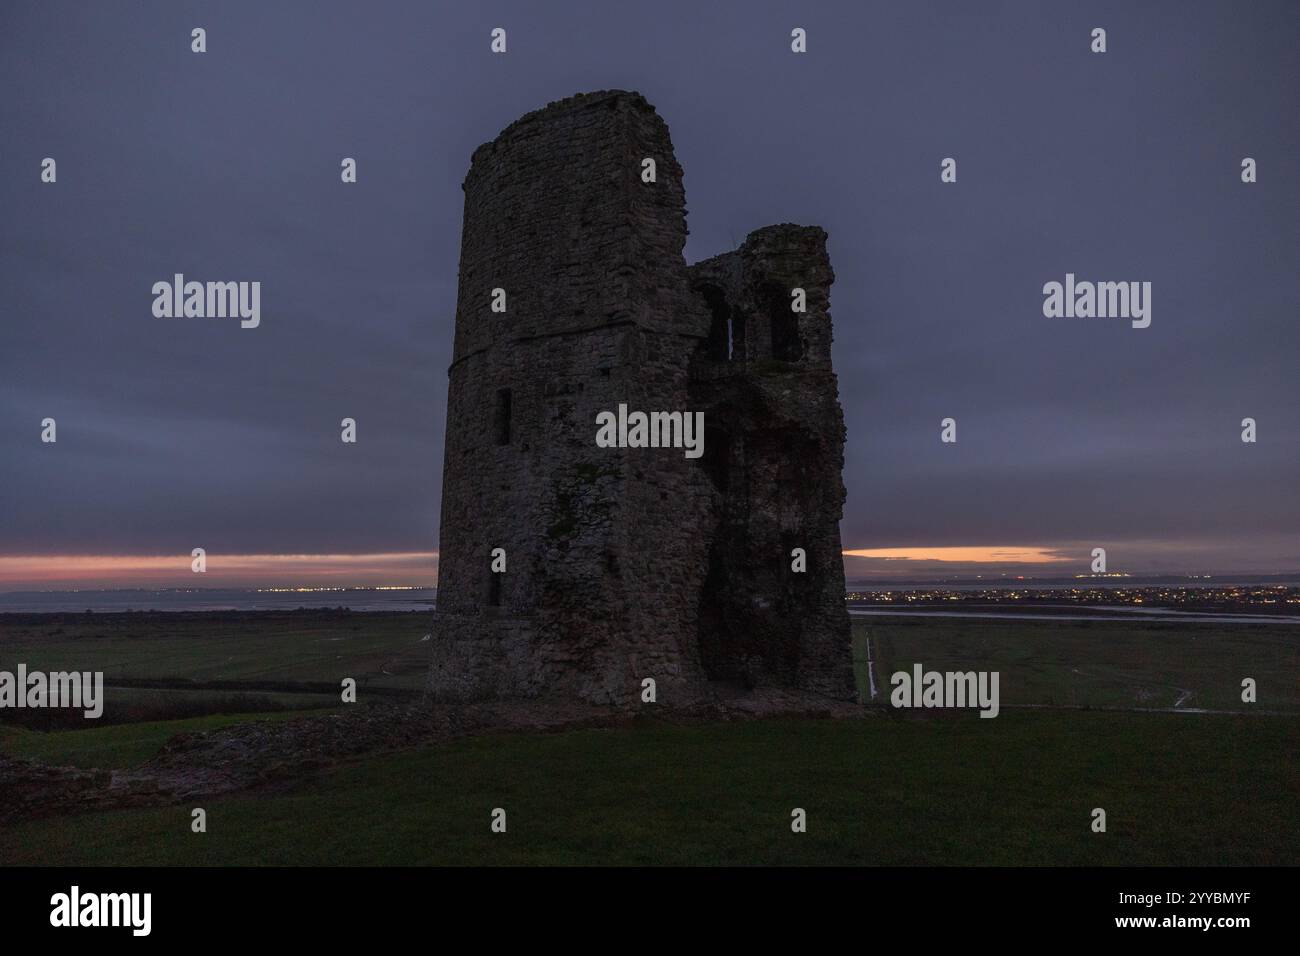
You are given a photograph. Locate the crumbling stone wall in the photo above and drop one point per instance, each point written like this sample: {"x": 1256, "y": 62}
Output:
{"x": 778, "y": 454}
{"x": 630, "y": 563}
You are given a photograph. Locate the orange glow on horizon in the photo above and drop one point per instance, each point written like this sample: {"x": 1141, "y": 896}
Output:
{"x": 223, "y": 570}
{"x": 969, "y": 555}
{"x": 397, "y": 568}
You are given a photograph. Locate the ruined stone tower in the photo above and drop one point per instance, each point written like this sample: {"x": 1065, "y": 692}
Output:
{"x": 628, "y": 563}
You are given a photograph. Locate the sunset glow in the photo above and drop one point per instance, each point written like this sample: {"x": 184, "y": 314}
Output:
{"x": 968, "y": 555}
{"x": 387, "y": 569}
{"x": 416, "y": 568}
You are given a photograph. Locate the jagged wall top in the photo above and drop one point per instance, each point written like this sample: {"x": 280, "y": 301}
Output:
{"x": 557, "y": 215}
{"x": 555, "y": 108}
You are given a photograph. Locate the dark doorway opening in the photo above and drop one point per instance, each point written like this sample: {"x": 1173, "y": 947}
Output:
{"x": 501, "y": 416}
{"x": 726, "y": 328}
{"x": 787, "y": 346}
{"x": 717, "y": 456}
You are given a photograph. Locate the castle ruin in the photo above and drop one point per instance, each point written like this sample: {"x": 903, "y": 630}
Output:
{"x": 629, "y": 563}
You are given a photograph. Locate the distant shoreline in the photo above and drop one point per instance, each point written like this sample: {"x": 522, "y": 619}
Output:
{"x": 1081, "y": 614}
{"x": 1221, "y": 602}
{"x": 215, "y": 600}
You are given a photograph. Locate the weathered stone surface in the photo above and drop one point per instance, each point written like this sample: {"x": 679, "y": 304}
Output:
{"x": 632, "y": 563}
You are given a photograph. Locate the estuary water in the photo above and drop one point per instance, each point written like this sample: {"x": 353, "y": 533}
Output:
{"x": 217, "y": 599}
{"x": 1149, "y": 614}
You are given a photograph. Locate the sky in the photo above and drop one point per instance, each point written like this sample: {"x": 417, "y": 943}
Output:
{"x": 1072, "y": 433}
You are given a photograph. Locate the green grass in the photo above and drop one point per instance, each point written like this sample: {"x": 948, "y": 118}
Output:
{"x": 115, "y": 746}
{"x": 1096, "y": 664}
{"x": 1177, "y": 789}
{"x": 381, "y": 650}
{"x": 890, "y": 789}
{"x": 218, "y": 662}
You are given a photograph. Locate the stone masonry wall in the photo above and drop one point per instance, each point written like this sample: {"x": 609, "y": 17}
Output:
{"x": 628, "y": 563}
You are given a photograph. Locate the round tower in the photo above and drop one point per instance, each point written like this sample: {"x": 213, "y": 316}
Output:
{"x": 573, "y": 298}
{"x": 581, "y": 568}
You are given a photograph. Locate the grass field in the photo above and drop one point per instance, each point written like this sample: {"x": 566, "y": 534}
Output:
{"x": 250, "y": 646}
{"x": 1124, "y": 664}
{"x": 184, "y": 665}
{"x": 114, "y": 747}
{"x": 1177, "y": 789}
{"x": 915, "y": 788}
